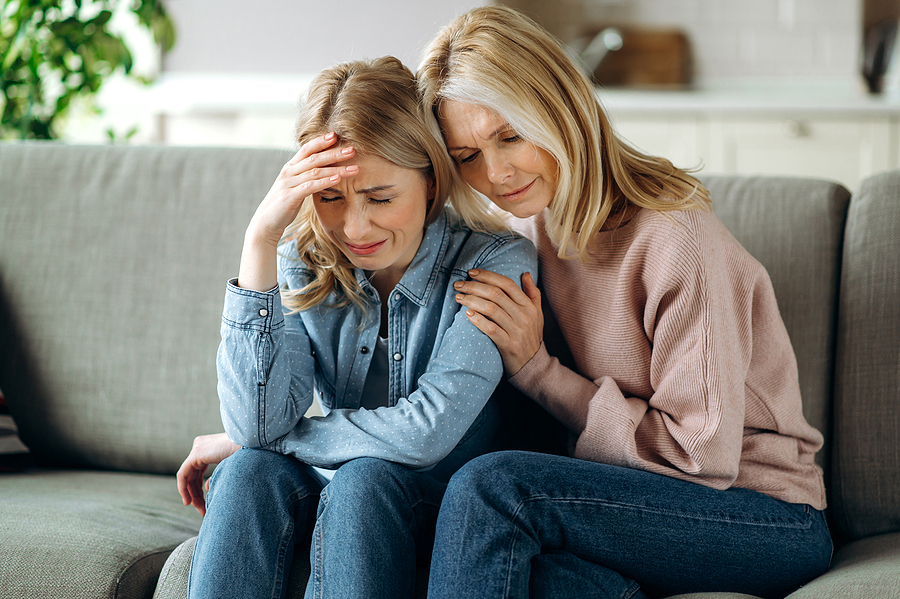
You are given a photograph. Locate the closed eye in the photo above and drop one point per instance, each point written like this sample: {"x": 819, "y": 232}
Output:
{"x": 468, "y": 158}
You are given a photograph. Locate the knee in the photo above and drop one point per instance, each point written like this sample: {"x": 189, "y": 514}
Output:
{"x": 257, "y": 475}
{"x": 366, "y": 480}
{"x": 485, "y": 479}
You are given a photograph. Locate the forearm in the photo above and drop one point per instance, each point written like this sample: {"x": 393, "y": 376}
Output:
{"x": 264, "y": 370}
{"x": 422, "y": 428}
{"x": 259, "y": 269}
{"x": 561, "y": 391}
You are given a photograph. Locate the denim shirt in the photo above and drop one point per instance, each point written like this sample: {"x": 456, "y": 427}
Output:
{"x": 442, "y": 368}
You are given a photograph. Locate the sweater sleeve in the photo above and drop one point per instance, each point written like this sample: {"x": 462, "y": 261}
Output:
{"x": 689, "y": 423}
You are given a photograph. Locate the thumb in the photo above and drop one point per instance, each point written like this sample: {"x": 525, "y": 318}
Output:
{"x": 530, "y": 288}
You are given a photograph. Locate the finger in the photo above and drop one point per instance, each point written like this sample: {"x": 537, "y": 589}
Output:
{"x": 320, "y": 178}
{"x": 530, "y": 289}
{"x": 313, "y": 146}
{"x": 488, "y": 327}
{"x": 181, "y": 479}
{"x": 509, "y": 287}
{"x": 200, "y": 505}
{"x": 487, "y": 309}
{"x": 519, "y": 310}
{"x": 317, "y": 160}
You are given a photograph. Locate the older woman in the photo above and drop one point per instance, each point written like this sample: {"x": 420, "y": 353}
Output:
{"x": 691, "y": 464}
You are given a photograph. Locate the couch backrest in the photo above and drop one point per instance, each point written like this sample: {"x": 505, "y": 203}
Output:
{"x": 795, "y": 227}
{"x": 113, "y": 263}
{"x": 866, "y": 464}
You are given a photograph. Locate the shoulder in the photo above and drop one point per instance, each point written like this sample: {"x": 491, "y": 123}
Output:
{"x": 469, "y": 248}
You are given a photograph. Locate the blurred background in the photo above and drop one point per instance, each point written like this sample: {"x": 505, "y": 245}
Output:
{"x": 801, "y": 87}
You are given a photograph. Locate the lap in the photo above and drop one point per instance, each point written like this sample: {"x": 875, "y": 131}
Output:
{"x": 654, "y": 529}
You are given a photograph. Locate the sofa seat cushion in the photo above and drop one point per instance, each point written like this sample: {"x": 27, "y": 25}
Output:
{"x": 860, "y": 570}
{"x": 88, "y": 534}
{"x": 173, "y": 580}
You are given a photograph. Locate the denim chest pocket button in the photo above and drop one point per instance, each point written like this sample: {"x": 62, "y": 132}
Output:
{"x": 364, "y": 350}
{"x": 263, "y": 312}
{"x": 398, "y": 357}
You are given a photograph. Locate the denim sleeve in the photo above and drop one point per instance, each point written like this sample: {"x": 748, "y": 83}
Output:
{"x": 424, "y": 427}
{"x": 265, "y": 370}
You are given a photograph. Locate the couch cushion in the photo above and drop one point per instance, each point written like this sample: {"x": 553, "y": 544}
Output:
{"x": 173, "y": 580}
{"x": 866, "y": 481}
{"x": 861, "y": 570}
{"x": 88, "y": 535}
{"x": 113, "y": 263}
{"x": 795, "y": 228}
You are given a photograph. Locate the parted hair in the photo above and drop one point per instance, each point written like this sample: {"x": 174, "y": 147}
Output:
{"x": 373, "y": 106}
{"x": 496, "y": 57}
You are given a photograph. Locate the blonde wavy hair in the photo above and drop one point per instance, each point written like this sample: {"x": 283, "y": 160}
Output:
{"x": 497, "y": 58}
{"x": 373, "y": 106}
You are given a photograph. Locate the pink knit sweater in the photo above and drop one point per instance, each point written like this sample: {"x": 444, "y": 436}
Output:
{"x": 683, "y": 364}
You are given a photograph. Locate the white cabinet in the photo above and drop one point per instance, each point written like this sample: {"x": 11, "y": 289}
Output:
{"x": 841, "y": 145}
{"x": 842, "y": 149}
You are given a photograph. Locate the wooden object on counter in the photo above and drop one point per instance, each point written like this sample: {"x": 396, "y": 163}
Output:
{"x": 649, "y": 58}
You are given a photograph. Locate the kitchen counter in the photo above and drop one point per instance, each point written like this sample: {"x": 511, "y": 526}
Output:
{"x": 753, "y": 99}
{"x": 180, "y": 94}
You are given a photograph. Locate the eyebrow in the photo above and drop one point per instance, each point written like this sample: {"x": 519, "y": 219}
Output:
{"x": 496, "y": 132}
{"x": 365, "y": 191}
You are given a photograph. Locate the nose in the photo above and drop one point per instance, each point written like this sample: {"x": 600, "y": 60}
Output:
{"x": 356, "y": 222}
{"x": 498, "y": 169}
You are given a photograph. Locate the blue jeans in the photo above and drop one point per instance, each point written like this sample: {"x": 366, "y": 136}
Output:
{"x": 366, "y": 527}
{"x": 519, "y": 524}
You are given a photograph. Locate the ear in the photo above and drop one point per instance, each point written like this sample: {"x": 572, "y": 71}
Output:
{"x": 430, "y": 193}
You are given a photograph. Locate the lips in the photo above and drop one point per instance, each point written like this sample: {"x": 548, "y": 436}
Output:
{"x": 367, "y": 249}
{"x": 517, "y": 194}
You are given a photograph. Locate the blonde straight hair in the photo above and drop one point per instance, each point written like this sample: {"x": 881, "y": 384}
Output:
{"x": 373, "y": 106}
{"x": 496, "y": 57}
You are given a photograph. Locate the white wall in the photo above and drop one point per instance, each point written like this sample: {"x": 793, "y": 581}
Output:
{"x": 238, "y": 68}
{"x": 732, "y": 40}
{"x": 301, "y": 36}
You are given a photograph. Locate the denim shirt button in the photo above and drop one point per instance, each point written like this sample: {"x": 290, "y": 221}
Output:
{"x": 364, "y": 350}
{"x": 397, "y": 357}
{"x": 263, "y": 312}
{"x": 396, "y": 297}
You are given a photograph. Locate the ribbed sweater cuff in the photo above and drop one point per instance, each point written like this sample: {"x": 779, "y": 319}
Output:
{"x": 561, "y": 391}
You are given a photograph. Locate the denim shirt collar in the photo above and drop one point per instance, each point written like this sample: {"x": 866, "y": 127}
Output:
{"x": 420, "y": 278}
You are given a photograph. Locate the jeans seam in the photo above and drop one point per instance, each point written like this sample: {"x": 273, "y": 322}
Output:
{"x": 799, "y": 524}
{"x": 317, "y": 567}
{"x": 804, "y": 525}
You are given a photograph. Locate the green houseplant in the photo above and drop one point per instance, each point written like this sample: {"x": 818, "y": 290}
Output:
{"x": 53, "y": 52}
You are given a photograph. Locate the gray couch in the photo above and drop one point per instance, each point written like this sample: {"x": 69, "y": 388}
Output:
{"x": 113, "y": 262}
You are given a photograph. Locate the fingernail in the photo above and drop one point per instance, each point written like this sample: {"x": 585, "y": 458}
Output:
{"x": 470, "y": 313}
{"x": 474, "y": 272}
{"x": 335, "y": 178}
{"x": 329, "y": 136}
{"x": 457, "y": 285}
{"x": 347, "y": 151}
{"x": 352, "y": 168}
{"x": 459, "y": 297}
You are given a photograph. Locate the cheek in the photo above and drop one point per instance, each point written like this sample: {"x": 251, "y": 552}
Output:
{"x": 328, "y": 217}
{"x": 473, "y": 176}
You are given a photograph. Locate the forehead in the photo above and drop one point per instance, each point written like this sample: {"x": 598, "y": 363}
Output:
{"x": 467, "y": 123}
{"x": 375, "y": 171}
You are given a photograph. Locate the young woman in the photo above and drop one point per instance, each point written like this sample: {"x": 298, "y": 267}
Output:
{"x": 357, "y": 306}
{"x": 691, "y": 464}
